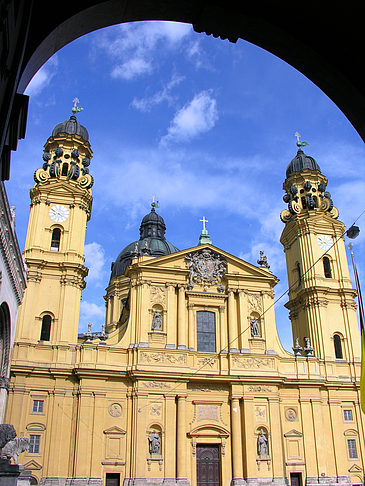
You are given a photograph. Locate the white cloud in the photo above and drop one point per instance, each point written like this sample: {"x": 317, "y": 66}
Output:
{"x": 196, "y": 117}
{"x": 43, "y": 77}
{"x": 90, "y": 312}
{"x": 94, "y": 261}
{"x": 164, "y": 95}
{"x": 135, "y": 48}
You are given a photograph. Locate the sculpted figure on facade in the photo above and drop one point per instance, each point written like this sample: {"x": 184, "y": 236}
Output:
{"x": 262, "y": 444}
{"x": 255, "y": 327}
{"x": 156, "y": 321}
{"x": 154, "y": 443}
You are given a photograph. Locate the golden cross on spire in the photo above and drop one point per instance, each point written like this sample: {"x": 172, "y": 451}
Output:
{"x": 204, "y": 221}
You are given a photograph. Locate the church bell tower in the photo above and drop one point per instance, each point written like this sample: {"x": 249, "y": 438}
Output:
{"x": 318, "y": 274}
{"x": 60, "y": 207}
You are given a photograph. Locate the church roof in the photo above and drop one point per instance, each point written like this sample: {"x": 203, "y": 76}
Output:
{"x": 152, "y": 242}
{"x": 300, "y": 162}
{"x": 72, "y": 127}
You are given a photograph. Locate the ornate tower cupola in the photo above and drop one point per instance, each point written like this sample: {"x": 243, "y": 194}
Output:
{"x": 61, "y": 202}
{"x": 316, "y": 262}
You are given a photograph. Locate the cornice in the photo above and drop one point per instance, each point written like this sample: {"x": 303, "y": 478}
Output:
{"x": 10, "y": 248}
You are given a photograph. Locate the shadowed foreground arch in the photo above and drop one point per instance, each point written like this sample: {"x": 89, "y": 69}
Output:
{"x": 326, "y": 45}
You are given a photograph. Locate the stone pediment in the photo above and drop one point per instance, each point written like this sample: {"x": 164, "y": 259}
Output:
{"x": 33, "y": 465}
{"x": 355, "y": 468}
{"x": 235, "y": 266}
{"x": 293, "y": 433}
{"x": 114, "y": 431}
{"x": 209, "y": 431}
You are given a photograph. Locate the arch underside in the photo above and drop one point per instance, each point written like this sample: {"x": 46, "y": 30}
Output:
{"x": 326, "y": 45}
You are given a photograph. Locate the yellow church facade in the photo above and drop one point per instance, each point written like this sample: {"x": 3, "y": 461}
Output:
{"x": 187, "y": 383}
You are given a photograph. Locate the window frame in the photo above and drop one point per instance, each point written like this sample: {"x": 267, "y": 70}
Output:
{"x": 199, "y": 313}
{"x": 327, "y": 267}
{"x": 350, "y": 413}
{"x": 37, "y": 401}
{"x": 56, "y": 241}
{"x": 352, "y": 448}
{"x": 338, "y": 346}
{"x": 36, "y": 444}
{"x": 44, "y": 329}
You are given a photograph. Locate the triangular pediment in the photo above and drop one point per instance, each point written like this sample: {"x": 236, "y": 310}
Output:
{"x": 293, "y": 433}
{"x": 355, "y": 468}
{"x": 236, "y": 267}
{"x": 115, "y": 431}
{"x": 33, "y": 465}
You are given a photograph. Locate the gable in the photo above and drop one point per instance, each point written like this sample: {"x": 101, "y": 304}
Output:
{"x": 236, "y": 268}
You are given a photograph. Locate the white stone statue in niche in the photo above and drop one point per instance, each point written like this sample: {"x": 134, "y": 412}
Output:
{"x": 154, "y": 443}
{"x": 156, "y": 321}
{"x": 262, "y": 444}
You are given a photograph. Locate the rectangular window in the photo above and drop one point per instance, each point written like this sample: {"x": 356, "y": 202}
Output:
{"x": 34, "y": 441}
{"x": 205, "y": 326}
{"x": 351, "y": 444}
{"x": 347, "y": 415}
{"x": 38, "y": 406}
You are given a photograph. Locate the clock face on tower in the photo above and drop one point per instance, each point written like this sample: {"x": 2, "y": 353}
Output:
{"x": 324, "y": 242}
{"x": 58, "y": 213}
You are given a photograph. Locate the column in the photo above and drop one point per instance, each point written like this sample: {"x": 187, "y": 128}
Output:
{"x": 192, "y": 326}
{"x": 236, "y": 431}
{"x": 275, "y": 451}
{"x": 250, "y": 446}
{"x": 181, "y": 441}
{"x": 243, "y": 313}
{"x": 170, "y": 439}
{"x": 181, "y": 324}
{"x": 232, "y": 324}
{"x": 222, "y": 330}
{"x": 145, "y": 318}
{"x": 171, "y": 316}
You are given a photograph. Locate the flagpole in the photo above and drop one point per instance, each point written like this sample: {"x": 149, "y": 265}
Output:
{"x": 362, "y": 330}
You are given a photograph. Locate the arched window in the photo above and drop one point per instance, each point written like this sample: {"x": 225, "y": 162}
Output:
{"x": 64, "y": 169}
{"x": 205, "y": 327}
{"x": 46, "y": 328}
{"x": 327, "y": 267}
{"x": 299, "y": 275}
{"x": 338, "y": 346}
{"x": 56, "y": 239}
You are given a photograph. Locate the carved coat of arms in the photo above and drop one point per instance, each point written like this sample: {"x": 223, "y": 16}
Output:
{"x": 206, "y": 267}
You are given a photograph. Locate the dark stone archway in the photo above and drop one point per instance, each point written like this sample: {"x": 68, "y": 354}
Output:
{"x": 326, "y": 45}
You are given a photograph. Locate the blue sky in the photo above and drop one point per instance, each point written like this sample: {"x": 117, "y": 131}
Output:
{"x": 205, "y": 125}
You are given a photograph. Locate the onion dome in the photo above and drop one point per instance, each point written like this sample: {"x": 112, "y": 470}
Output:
{"x": 72, "y": 127}
{"x": 301, "y": 162}
{"x": 152, "y": 242}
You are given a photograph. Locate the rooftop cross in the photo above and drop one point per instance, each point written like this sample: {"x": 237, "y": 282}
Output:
{"x": 204, "y": 221}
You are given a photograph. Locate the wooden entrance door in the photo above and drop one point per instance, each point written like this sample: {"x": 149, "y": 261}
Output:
{"x": 207, "y": 465}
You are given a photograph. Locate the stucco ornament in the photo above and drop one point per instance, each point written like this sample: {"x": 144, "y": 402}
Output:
{"x": 206, "y": 267}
